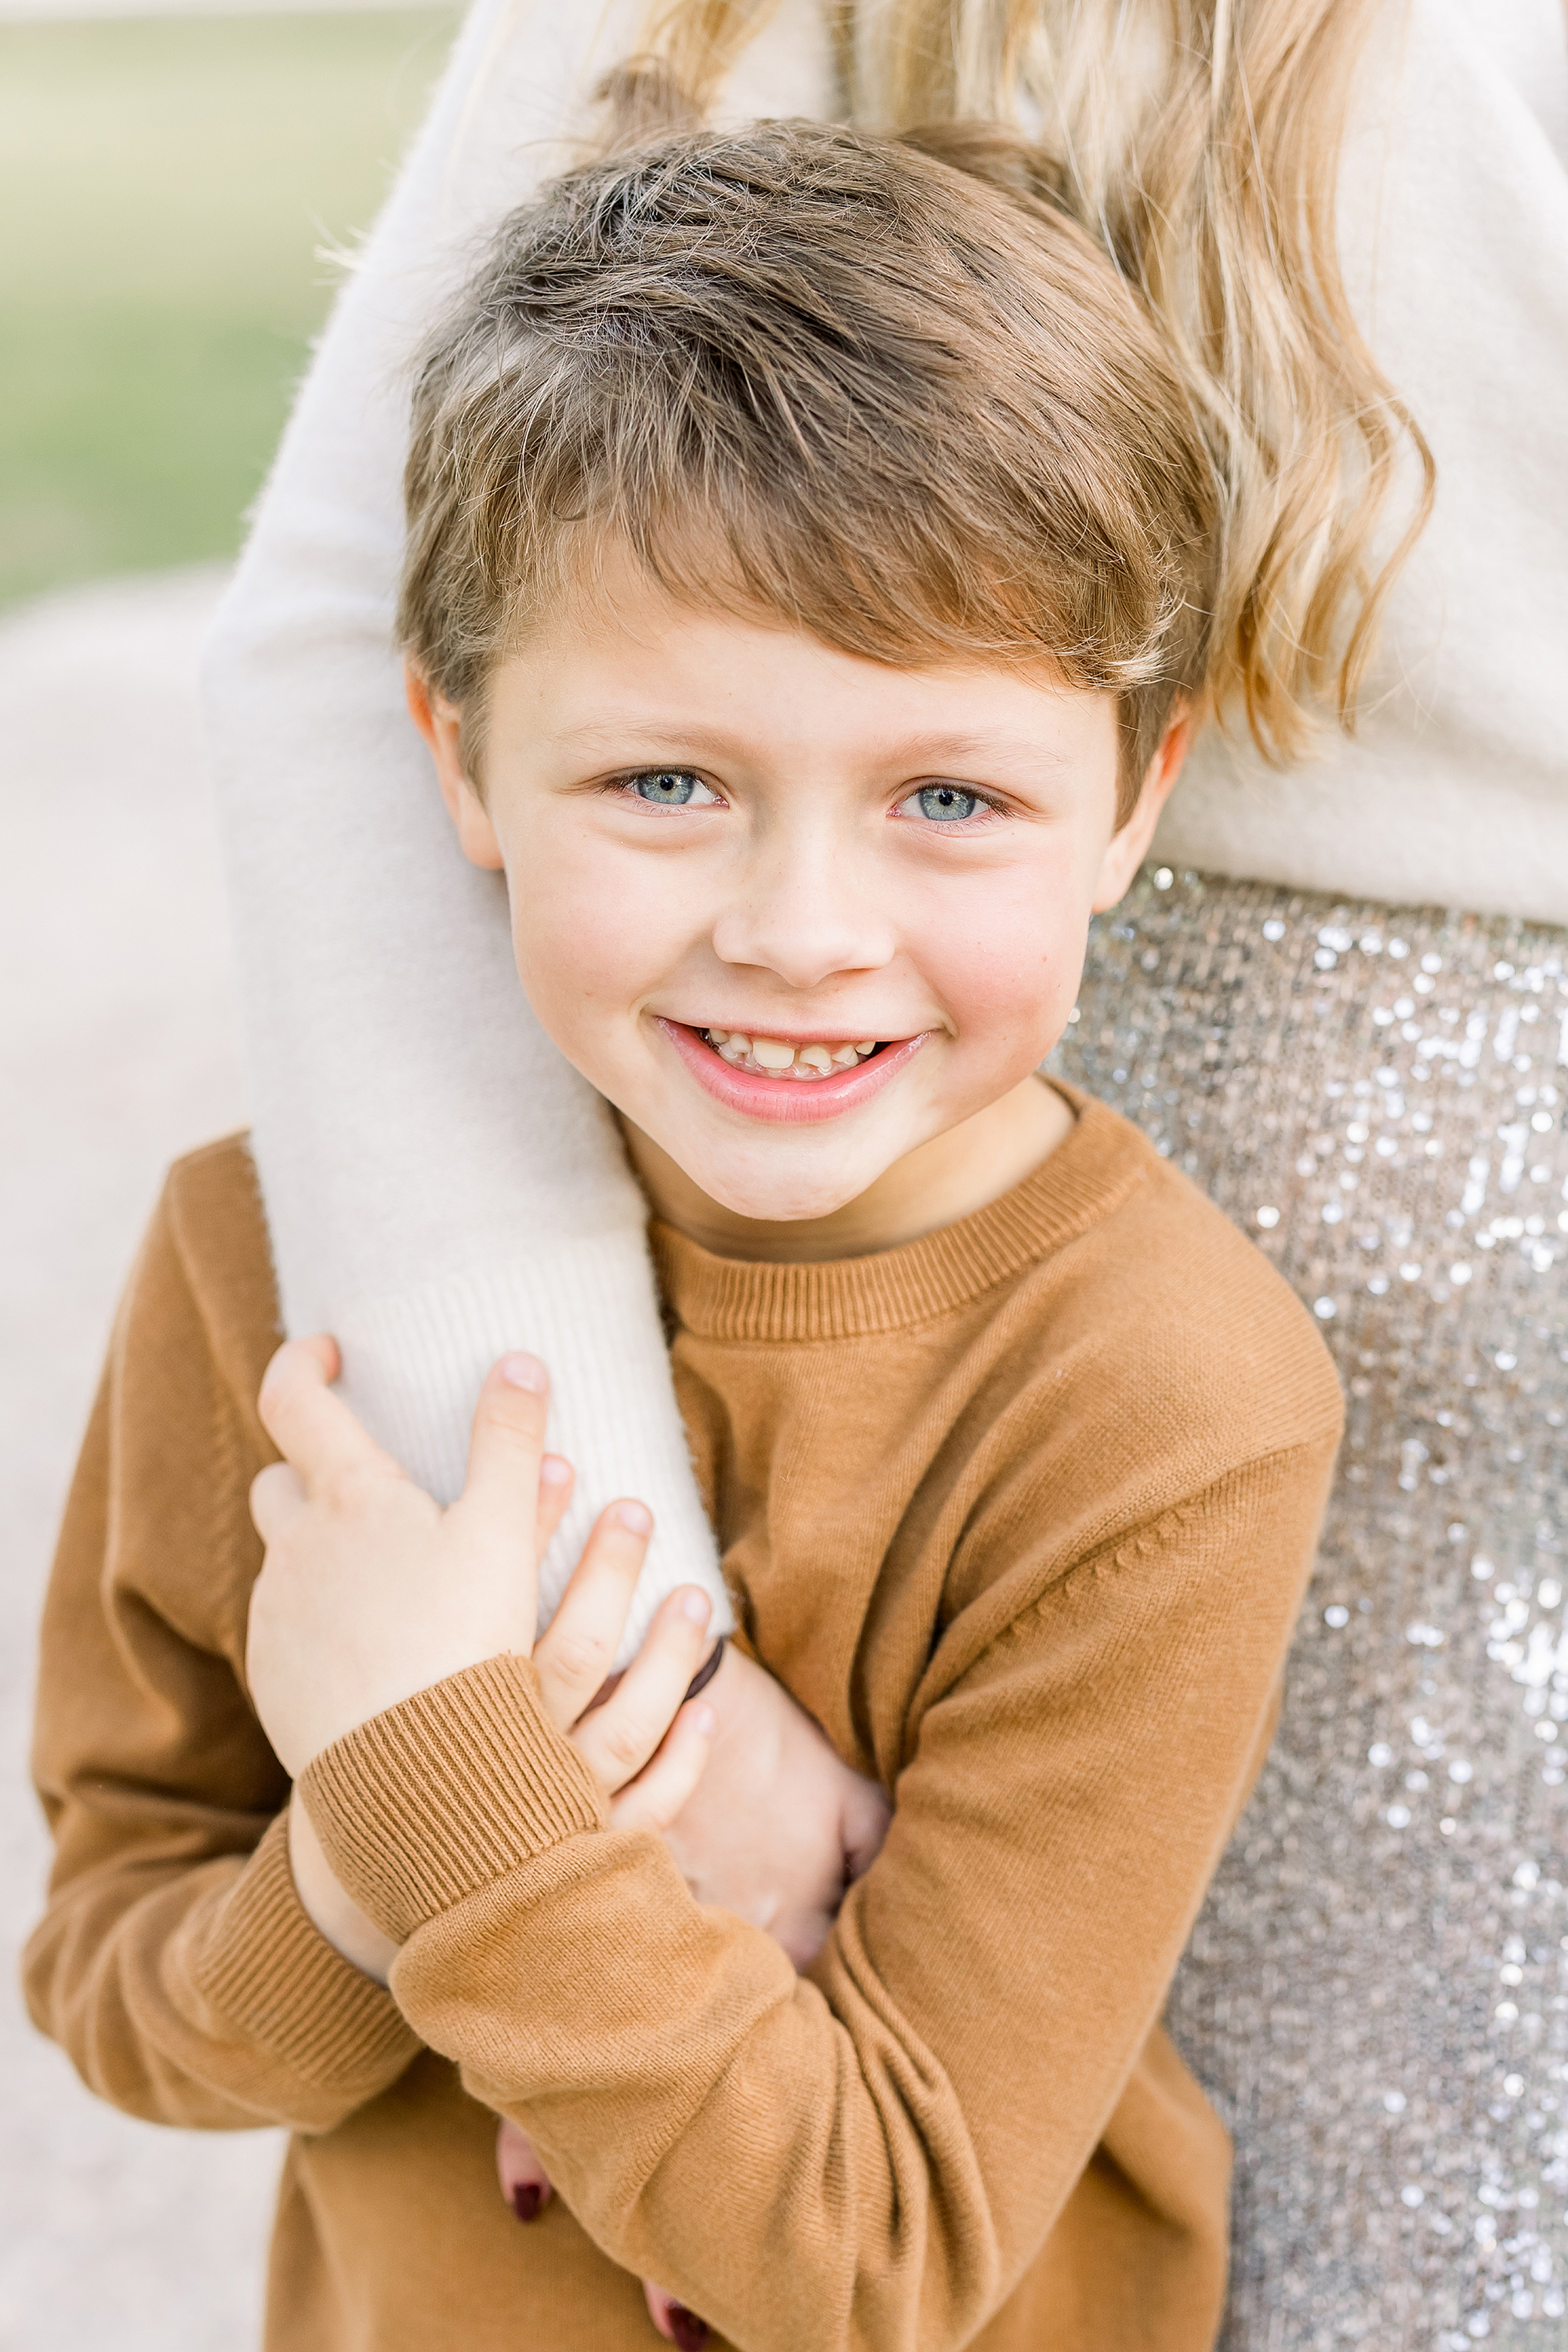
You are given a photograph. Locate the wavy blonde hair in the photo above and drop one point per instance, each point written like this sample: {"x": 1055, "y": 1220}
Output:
{"x": 1198, "y": 141}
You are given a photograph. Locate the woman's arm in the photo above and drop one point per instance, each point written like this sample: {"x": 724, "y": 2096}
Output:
{"x": 439, "y": 1183}
{"x": 175, "y": 1964}
{"x": 873, "y": 2156}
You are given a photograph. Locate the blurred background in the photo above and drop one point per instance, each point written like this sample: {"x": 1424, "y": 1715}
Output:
{"x": 177, "y": 192}
{"x": 171, "y": 188}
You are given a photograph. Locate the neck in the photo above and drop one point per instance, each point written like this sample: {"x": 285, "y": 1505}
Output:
{"x": 951, "y": 1177}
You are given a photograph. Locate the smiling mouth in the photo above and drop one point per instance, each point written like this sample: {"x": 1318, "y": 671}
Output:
{"x": 789, "y": 1082}
{"x": 775, "y": 1058}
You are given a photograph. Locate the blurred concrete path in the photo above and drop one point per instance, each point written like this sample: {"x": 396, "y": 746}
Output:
{"x": 116, "y": 1052}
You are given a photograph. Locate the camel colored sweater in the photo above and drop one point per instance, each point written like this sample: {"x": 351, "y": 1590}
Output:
{"x": 1022, "y": 1512}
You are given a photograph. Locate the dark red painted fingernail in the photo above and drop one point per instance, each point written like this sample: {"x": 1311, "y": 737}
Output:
{"x": 526, "y": 2199}
{"x": 691, "y": 2333}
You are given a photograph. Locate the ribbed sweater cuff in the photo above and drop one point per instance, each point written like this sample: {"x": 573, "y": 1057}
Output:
{"x": 431, "y": 1801}
{"x": 270, "y": 1972}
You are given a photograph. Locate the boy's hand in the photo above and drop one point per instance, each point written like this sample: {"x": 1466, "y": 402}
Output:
{"x": 371, "y": 1591}
{"x": 778, "y": 1825}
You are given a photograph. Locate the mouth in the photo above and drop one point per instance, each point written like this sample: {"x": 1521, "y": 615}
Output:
{"x": 789, "y": 1081}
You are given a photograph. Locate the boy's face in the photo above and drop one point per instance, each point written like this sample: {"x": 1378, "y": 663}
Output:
{"x": 720, "y": 833}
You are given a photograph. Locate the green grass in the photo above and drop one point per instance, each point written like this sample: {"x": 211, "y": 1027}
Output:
{"x": 165, "y": 190}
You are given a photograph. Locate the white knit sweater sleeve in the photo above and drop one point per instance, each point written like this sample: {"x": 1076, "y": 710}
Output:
{"x": 440, "y": 1184}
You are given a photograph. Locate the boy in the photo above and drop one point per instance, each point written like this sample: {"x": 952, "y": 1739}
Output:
{"x": 809, "y": 556}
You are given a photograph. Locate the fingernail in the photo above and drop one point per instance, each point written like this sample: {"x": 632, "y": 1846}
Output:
{"x": 697, "y": 1606}
{"x": 553, "y": 1471}
{"x": 526, "y": 2199}
{"x": 521, "y": 1372}
{"x": 636, "y": 1518}
{"x": 691, "y": 2333}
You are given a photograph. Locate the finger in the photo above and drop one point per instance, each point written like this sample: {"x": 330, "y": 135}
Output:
{"x": 501, "y": 1489}
{"x": 578, "y": 1649}
{"x": 658, "y": 2308}
{"x": 800, "y": 1935}
{"x": 524, "y": 2183}
{"x": 660, "y": 1792}
{"x": 310, "y": 1427}
{"x": 277, "y": 1498}
{"x": 556, "y": 1480}
{"x": 867, "y": 1812}
{"x": 674, "y": 2322}
{"x": 618, "y": 1739}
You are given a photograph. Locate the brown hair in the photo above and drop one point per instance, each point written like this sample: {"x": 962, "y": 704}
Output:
{"x": 1199, "y": 143}
{"x": 824, "y": 375}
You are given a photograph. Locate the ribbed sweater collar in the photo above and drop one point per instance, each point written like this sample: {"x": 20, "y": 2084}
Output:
{"x": 1088, "y": 1174}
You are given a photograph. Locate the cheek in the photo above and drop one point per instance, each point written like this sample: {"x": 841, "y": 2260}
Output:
{"x": 591, "y": 930}
{"x": 1007, "y": 962}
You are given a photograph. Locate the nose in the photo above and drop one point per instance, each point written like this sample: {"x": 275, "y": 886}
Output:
{"x": 801, "y": 912}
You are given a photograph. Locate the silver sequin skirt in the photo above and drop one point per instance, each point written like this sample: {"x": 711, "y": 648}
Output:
{"x": 1376, "y": 1993}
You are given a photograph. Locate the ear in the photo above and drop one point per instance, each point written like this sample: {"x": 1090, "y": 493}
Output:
{"x": 1127, "y": 849}
{"x": 441, "y": 724}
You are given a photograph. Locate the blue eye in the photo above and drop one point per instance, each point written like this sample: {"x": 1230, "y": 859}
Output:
{"x": 669, "y": 787}
{"x": 946, "y": 804}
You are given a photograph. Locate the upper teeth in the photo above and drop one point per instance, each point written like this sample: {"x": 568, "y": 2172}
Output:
{"x": 772, "y": 1057}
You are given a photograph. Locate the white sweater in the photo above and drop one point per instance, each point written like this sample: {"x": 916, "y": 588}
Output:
{"x": 440, "y": 1184}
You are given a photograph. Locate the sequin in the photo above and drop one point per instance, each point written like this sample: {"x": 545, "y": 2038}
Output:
{"x": 1376, "y": 1991}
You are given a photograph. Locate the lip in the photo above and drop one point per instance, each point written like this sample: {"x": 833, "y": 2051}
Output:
{"x": 789, "y": 1102}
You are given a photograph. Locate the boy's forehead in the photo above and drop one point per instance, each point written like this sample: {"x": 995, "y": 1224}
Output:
{"x": 681, "y": 681}
{"x": 684, "y": 605}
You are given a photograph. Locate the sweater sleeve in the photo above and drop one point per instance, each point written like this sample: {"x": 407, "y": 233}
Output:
{"x": 871, "y": 2156}
{"x": 175, "y": 1964}
{"x": 440, "y": 1183}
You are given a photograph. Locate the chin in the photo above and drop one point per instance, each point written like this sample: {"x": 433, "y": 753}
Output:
{"x": 777, "y": 1201}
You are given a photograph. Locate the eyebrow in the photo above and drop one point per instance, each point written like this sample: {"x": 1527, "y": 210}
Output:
{"x": 690, "y": 732}
{"x": 928, "y": 753}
